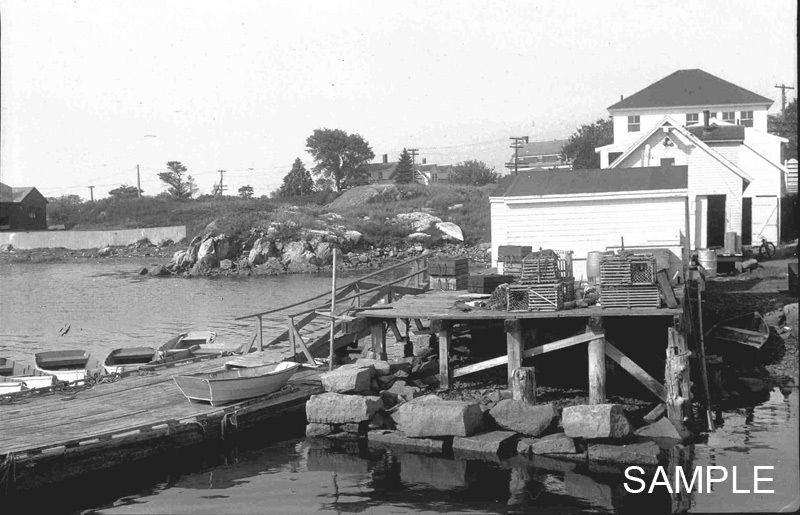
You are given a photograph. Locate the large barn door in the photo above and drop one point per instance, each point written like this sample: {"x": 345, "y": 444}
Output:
{"x": 747, "y": 221}
{"x": 715, "y": 221}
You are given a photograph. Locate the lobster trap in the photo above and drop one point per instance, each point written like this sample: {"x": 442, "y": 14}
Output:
{"x": 546, "y": 266}
{"x": 627, "y": 269}
{"x": 630, "y": 296}
{"x": 536, "y": 297}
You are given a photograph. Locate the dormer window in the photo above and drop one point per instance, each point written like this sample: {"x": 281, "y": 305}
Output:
{"x": 634, "y": 124}
{"x": 692, "y": 119}
{"x": 746, "y": 118}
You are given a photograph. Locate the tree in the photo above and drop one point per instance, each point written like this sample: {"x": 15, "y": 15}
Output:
{"x": 297, "y": 182}
{"x": 125, "y": 192}
{"x": 581, "y": 145}
{"x": 178, "y": 187}
{"x": 246, "y": 191}
{"x": 785, "y": 125}
{"x": 473, "y": 172}
{"x": 339, "y": 156}
{"x": 404, "y": 171}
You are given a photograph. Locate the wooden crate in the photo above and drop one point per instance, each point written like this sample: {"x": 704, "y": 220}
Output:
{"x": 449, "y": 283}
{"x": 487, "y": 283}
{"x": 621, "y": 270}
{"x": 512, "y": 253}
{"x": 448, "y": 267}
{"x": 630, "y": 296}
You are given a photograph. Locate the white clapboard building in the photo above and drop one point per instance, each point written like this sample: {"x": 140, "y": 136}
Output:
{"x": 593, "y": 210}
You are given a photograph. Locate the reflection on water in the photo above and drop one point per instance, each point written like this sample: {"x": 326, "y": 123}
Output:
{"x": 108, "y": 306}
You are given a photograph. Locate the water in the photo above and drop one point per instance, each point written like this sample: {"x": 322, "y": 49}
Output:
{"x": 107, "y": 306}
{"x": 274, "y": 470}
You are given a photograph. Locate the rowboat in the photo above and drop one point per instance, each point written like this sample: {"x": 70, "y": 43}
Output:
{"x": 235, "y": 384}
{"x": 31, "y": 379}
{"x": 205, "y": 342}
{"x": 749, "y": 329}
{"x": 66, "y": 365}
{"x": 128, "y": 359}
{"x": 7, "y": 387}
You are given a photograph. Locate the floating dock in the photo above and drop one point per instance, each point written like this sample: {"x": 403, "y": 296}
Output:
{"x": 54, "y": 436}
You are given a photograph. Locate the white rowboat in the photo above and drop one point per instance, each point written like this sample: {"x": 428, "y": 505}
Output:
{"x": 66, "y": 365}
{"x": 231, "y": 385}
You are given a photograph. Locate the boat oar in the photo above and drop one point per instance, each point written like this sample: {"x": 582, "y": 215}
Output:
{"x": 703, "y": 371}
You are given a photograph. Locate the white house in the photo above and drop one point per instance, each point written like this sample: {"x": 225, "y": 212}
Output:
{"x": 719, "y": 130}
{"x": 593, "y": 210}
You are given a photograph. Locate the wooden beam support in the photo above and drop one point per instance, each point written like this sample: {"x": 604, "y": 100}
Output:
{"x": 636, "y": 371}
{"x": 515, "y": 346}
{"x": 677, "y": 382}
{"x": 379, "y": 339}
{"x": 561, "y": 344}
{"x": 260, "y": 333}
{"x": 445, "y": 374}
{"x": 395, "y": 331}
{"x": 523, "y": 385}
{"x": 597, "y": 361}
{"x": 299, "y": 341}
{"x": 483, "y": 365}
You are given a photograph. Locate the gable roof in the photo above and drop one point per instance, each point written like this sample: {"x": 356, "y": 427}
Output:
{"x": 16, "y": 195}
{"x": 690, "y": 88}
{"x": 694, "y": 140}
{"x": 606, "y": 180}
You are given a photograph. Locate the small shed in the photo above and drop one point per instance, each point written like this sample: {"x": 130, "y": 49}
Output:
{"x": 22, "y": 209}
{"x": 594, "y": 210}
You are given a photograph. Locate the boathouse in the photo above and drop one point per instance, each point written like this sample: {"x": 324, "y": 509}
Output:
{"x": 22, "y": 209}
{"x": 593, "y": 210}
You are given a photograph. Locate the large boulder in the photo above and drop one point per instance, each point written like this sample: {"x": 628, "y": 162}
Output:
{"x": 293, "y": 252}
{"x": 400, "y": 392}
{"x": 382, "y": 368}
{"x": 645, "y": 453}
{"x": 361, "y": 195}
{"x": 348, "y": 379}
{"x": 323, "y": 253}
{"x": 181, "y": 259}
{"x": 451, "y": 230}
{"x": 207, "y": 253}
{"x": 418, "y": 221}
{"x": 524, "y": 418}
{"x": 260, "y": 252}
{"x": 500, "y": 443}
{"x": 595, "y": 421}
{"x": 336, "y": 408}
{"x": 390, "y": 438}
{"x": 431, "y": 416}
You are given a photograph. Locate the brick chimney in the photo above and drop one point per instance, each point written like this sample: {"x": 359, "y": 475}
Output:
{"x": 706, "y": 118}
{"x": 385, "y": 158}
{"x": 424, "y": 160}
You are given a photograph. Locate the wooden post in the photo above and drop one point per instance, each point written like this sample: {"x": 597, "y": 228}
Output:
{"x": 676, "y": 379}
{"x": 333, "y": 308}
{"x": 523, "y": 385}
{"x": 514, "y": 346}
{"x": 260, "y": 334}
{"x": 597, "y": 362}
{"x": 379, "y": 339}
{"x": 291, "y": 337}
{"x": 445, "y": 374}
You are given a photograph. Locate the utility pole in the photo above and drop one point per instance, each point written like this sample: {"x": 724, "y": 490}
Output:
{"x": 516, "y": 145}
{"x": 138, "y": 183}
{"x": 413, "y": 152}
{"x": 783, "y": 88}
{"x": 91, "y": 193}
{"x": 221, "y": 187}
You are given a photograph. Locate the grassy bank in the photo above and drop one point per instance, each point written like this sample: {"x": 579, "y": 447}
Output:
{"x": 466, "y": 206}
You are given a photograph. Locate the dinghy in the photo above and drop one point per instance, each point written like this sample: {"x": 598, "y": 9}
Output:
{"x": 205, "y": 342}
{"x": 31, "y": 379}
{"x": 749, "y": 329}
{"x": 66, "y": 365}
{"x": 7, "y": 387}
{"x": 235, "y": 384}
{"x": 128, "y": 359}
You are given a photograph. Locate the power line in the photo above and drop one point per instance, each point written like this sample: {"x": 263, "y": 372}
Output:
{"x": 518, "y": 142}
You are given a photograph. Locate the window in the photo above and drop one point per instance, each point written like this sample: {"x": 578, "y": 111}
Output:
{"x": 746, "y": 118}
{"x": 667, "y": 161}
{"x": 729, "y": 116}
{"x": 633, "y": 123}
{"x": 692, "y": 119}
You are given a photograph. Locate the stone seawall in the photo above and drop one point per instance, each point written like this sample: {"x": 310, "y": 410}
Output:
{"x": 90, "y": 239}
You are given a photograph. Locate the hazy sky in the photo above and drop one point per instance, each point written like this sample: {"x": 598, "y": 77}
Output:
{"x": 91, "y": 88}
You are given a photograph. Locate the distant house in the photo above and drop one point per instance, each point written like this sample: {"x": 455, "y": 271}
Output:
{"x": 22, "y": 209}
{"x": 717, "y": 129}
{"x": 383, "y": 172}
{"x": 542, "y": 155}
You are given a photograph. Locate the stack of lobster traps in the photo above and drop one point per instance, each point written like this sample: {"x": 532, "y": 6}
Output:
{"x": 511, "y": 256}
{"x": 628, "y": 280}
{"x": 546, "y": 282}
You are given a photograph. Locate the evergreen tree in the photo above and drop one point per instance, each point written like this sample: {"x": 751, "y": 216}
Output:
{"x": 178, "y": 187}
{"x": 297, "y": 182}
{"x": 404, "y": 171}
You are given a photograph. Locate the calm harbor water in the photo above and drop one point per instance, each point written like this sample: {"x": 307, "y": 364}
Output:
{"x": 107, "y": 306}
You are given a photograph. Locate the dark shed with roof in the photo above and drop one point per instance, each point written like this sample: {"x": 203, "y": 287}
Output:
{"x": 22, "y": 209}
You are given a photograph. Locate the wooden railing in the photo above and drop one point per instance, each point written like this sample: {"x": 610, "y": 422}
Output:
{"x": 353, "y": 295}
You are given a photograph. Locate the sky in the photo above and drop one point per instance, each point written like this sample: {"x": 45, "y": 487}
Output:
{"x": 92, "y": 88}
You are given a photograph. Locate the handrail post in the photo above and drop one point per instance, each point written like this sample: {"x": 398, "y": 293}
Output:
{"x": 260, "y": 333}
{"x": 291, "y": 336}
